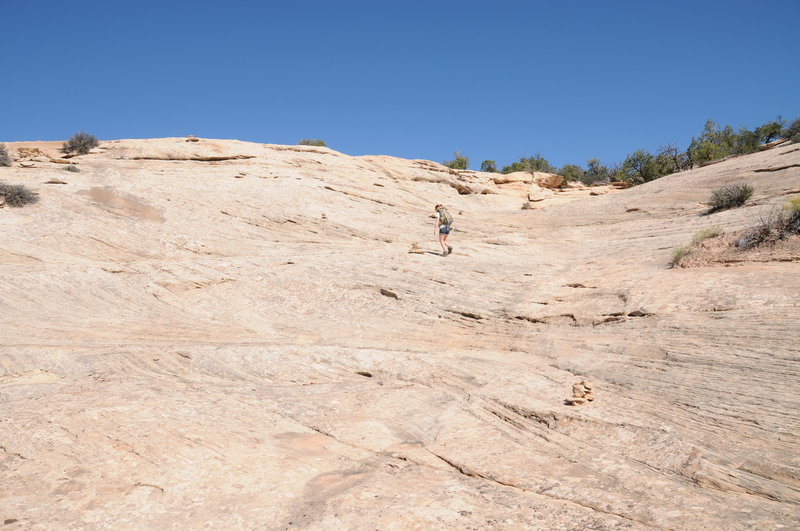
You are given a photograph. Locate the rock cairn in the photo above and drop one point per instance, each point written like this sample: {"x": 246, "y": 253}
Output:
{"x": 581, "y": 393}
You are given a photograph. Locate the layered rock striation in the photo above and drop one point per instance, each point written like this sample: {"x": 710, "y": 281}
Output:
{"x": 238, "y": 335}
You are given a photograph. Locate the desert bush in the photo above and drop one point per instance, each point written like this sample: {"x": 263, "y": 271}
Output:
{"x": 571, "y": 172}
{"x": 489, "y": 166}
{"x": 773, "y": 226}
{"x": 705, "y": 234}
{"x": 792, "y": 205}
{"x": 459, "y": 162}
{"x": 792, "y": 132}
{"x": 761, "y": 232}
{"x": 714, "y": 142}
{"x": 17, "y": 195}
{"x": 530, "y": 164}
{"x": 769, "y": 131}
{"x": 72, "y": 167}
{"x": 5, "y": 159}
{"x": 676, "y": 160}
{"x": 312, "y": 142}
{"x": 642, "y": 166}
{"x": 595, "y": 172}
{"x": 789, "y": 216}
{"x": 731, "y": 196}
{"x": 678, "y": 254}
{"x": 80, "y": 143}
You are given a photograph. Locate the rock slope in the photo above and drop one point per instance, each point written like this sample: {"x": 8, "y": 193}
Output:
{"x": 212, "y": 333}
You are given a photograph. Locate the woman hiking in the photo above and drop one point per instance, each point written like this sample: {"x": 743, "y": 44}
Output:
{"x": 443, "y": 222}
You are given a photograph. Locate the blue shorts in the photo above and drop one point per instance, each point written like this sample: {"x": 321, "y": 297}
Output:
{"x": 444, "y": 229}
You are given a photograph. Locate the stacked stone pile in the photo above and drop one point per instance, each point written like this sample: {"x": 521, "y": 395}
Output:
{"x": 581, "y": 393}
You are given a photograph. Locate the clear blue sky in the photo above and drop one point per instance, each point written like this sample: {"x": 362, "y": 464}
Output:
{"x": 415, "y": 79}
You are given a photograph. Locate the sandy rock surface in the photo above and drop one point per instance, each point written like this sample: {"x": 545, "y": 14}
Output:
{"x": 223, "y": 334}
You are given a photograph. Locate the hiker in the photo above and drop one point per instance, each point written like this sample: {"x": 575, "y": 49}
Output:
{"x": 443, "y": 222}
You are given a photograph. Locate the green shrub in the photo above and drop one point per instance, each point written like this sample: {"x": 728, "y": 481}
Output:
{"x": 5, "y": 159}
{"x": 717, "y": 142}
{"x": 459, "y": 162}
{"x": 705, "y": 234}
{"x": 80, "y": 143}
{"x": 792, "y": 205}
{"x": 769, "y": 131}
{"x": 595, "y": 172}
{"x": 792, "y": 132}
{"x": 312, "y": 142}
{"x": 571, "y": 172}
{"x": 73, "y": 168}
{"x": 642, "y": 166}
{"x": 731, "y": 196}
{"x": 530, "y": 164}
{"x": 489, "y": 166}
{"x": 16, "y": 195}
{"x": 789, "y": 217}
{"x": 678, "y": 254}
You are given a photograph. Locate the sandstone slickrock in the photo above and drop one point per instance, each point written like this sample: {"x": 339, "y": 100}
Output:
{"x": 182, "y": 349}
{"x": 547, "y": 180}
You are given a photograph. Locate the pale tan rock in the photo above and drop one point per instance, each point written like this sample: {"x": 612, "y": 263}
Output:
{"x": 536, "y": 194}
{"x": 522, "y": 177}
{"x": 774, "y": 144}
{"x": 185, "y": 350}
{"x": 388, "y": 293}
{"x": 547, "y": 180}
{"x": 26, "y": 152}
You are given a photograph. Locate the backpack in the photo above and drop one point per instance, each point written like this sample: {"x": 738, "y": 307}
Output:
{"x": 444, "y": 217}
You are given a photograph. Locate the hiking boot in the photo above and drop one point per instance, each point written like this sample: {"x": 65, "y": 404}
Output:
{"x": 449, "y": 249}
{"x": 445, "y": 253}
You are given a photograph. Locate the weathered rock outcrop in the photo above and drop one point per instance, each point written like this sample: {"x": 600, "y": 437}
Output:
{"x": 268, "y": 339}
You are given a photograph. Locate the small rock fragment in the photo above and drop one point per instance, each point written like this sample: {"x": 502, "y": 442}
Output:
{"x": 389, "y": 293}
